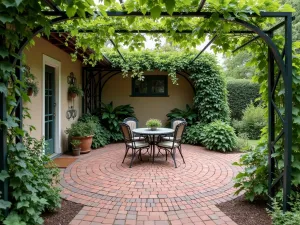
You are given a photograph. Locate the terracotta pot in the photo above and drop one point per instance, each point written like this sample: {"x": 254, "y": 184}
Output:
{"x": 86, "y": 143}
{"x": 76, "y": 151}
{"x": 29, "y": 91}
{"x": 72, "y": 95}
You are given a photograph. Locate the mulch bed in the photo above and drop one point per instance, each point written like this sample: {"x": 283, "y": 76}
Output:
{"x": 244, "y": 212}
{"x": 64, "y": 215}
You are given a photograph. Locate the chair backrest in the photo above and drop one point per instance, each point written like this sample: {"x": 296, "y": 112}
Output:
{"x": 176, "y": 121}
{"x": 132, "y": 122}
{"x": 126, "y": 131}
{"x": 179, "y": 130}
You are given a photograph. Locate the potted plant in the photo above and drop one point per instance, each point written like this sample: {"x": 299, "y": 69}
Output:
{"x": 84, "y": 132}
{"x": 30, "y": 82}
{"x": 153, "y": 124}
{"x": 76, "y": 147}
{"x": 74, "y": 91}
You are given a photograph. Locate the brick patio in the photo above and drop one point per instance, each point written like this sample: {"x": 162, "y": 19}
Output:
{"x": 150, "y": 194}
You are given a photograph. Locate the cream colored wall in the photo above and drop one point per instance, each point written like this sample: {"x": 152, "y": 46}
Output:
{"x": 34, "y": 59}
{"x": 118, "y": 90}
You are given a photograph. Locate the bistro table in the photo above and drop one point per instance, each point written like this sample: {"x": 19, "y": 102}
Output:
{"x": 152, "y": 134}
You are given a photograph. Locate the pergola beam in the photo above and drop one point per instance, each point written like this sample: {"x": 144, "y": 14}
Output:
{"x": 53, "y": 6}
{"x": 114, "y": 44}
{"x": 271, "y": 30}
{"x": 155, "y": 31}
{"x": 205, "y": 47}
{"x": 165, "y": 14}
{"x": 201, "y": 5}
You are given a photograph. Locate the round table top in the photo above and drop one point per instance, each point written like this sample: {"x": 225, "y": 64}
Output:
{"x": 148, "y": 131}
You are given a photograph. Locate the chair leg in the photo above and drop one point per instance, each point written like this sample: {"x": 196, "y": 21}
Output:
{"x": 179, "y": 148}
{"x": 166, "y": 155}
{"x": 125, "y": 154}
{"x": 140, "y": 154}
{"x": 132, "y": 158}
{"x": 173, "y": 155}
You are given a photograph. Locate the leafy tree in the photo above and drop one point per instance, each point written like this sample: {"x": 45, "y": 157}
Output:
{"x": 236, "y": 65}
{"x": 296, "y": 22}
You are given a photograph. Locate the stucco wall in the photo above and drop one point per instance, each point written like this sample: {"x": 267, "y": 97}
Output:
{"x": 118, "y": 90}
{"x": 34, "y": 59}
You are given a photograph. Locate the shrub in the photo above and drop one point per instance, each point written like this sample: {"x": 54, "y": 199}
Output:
{"x": 254, "y": 178}
{"x": 211, "y": 95}
{"x": 194, "y": 134}
{"x": 252, "y": 122}
{"x": 32, "y": 182}
{"x": 219, "y": 136}
{"x": 241, "y": 93}
{"x": 81, "y": 129}
{"x": 111, "y": 117}
{"x": 101, "y": 134}
{"x": 190, "y": 114}
{"x": 291, "y": 217}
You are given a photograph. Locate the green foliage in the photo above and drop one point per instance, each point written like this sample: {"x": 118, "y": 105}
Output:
{"x": 296, "y": 23}
{"x": 32, "y": 182}
{"x": 236, "y": 66}
{"x": 81, "y": 129}
{"x": 75, "y": 143}
{"x": 75, "y": 89}
{"x": 291, "y": 217}
{"x": 252, "y": 122}
{"x": 30, "y": 81}
{"x": 241, "y": 93}
{"x": 219, "y": 136}
{"x": 254, "y": 178}
{"x": 153, "y": 123}
{"x": 190, "y": 114}
{"x": 101, "y": 134}
{"x": 194, "y": 134}
{"x": 210, "y": 100}
{"x": 111, "y": 117}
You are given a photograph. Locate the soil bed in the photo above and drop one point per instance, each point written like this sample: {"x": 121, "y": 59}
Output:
{"x": 244, "y": 212}
{"x": 64, "y": 215}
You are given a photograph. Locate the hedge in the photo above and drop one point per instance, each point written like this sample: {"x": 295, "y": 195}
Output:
{"x": 241, "y": 92}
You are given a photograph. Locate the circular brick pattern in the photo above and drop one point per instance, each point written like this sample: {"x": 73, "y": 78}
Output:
{"x": 99, "y": 179}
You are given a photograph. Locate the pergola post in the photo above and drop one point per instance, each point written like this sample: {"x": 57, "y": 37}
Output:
{"x": 288, "y": 113}
{"x": 271, "y": 123}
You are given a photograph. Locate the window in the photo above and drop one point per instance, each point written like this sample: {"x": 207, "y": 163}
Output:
{"x": 151, "y": 86}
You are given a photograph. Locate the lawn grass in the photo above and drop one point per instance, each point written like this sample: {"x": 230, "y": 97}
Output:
{"x": 253, "y": 143}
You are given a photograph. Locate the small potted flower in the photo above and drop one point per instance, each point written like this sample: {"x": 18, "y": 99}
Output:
{"x": 153, "y": 124}
{"x": 76, "y": 147}
{"x": 83, "y": 132}
{"x": 74, "y": 91}
{"x": 30, "y": 82}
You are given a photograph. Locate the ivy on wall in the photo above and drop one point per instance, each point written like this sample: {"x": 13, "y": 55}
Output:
{"x": 210, "y": 98}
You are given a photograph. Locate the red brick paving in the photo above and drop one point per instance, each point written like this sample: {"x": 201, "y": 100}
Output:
{"x": 150, "y": 194}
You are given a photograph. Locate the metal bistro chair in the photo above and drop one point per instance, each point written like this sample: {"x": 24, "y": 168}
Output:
{"x": 130, "y": 143}
{"x": 170, "y": 146}
{"x": 174, "y": 123}
{"x": 133, "y": 124}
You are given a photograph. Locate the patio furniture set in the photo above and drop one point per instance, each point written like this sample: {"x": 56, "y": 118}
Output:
{"x": 167, "y": 139}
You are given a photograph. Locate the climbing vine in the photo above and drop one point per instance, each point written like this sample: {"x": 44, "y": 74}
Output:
{"x": 19, "y": 18}
{"x": 210, "y": 98}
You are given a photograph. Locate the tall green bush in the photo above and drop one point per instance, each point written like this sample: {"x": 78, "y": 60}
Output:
{"x": 101, "y": 134}
{"x": 32, "y": 182}
{"x": 252, "y": 122}
{"x": 241, "y": 92}
{"x": 219, "y": 136}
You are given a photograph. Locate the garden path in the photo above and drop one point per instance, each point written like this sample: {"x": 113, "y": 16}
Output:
{"x": 150, "y": 194}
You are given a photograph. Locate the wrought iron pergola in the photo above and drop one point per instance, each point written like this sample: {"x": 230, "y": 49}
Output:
{"x": 283, "y": 60}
